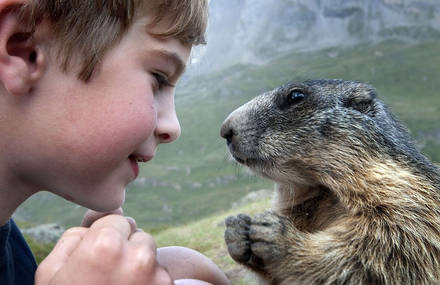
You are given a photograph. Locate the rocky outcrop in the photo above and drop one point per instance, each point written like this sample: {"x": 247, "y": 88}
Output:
{"x": 254, "y": 31}
{"x": 47, "y": 233}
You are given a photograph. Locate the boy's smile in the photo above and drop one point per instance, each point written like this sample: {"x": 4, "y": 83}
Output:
{"x": 135, "y": 166}
{"x": 98, "y": 131}
{"x": 134, "y": 162}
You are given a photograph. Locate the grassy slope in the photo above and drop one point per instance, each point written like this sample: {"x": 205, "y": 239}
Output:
{"x": 193, "y": 178}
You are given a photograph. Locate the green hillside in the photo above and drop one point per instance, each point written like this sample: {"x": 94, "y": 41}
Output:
{"x": 194, "y": 177}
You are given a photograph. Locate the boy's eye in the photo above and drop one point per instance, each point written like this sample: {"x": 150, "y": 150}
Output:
{"x": 162, "y": 80}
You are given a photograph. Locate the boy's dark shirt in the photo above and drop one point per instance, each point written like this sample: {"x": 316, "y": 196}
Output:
{"x": 17, "y": 264}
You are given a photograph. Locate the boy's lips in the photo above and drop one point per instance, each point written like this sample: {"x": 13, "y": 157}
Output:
{"x": 134, "y": 159}
{"x": 135, "y": 167}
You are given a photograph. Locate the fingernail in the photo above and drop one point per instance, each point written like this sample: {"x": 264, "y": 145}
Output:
{"x": 132, "y": 223}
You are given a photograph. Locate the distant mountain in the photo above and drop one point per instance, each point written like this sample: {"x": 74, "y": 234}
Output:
{"x": 254, "y": 31}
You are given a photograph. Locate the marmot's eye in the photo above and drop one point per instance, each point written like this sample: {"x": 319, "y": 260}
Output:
{"x": 295, "y": 97}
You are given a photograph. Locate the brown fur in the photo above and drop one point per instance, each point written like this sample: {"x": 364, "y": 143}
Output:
{"x": 356, "y": 202}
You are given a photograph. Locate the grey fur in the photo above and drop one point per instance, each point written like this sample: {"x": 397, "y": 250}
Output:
{"x": 357, "y": 203}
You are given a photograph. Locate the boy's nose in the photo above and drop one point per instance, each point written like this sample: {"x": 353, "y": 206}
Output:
{"x": 168, "y": 127}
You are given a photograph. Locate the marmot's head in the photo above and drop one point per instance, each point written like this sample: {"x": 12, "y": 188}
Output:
{"x": 297, "y": 132}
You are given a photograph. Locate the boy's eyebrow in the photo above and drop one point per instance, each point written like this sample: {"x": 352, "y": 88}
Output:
{"x": 173, "y": 57}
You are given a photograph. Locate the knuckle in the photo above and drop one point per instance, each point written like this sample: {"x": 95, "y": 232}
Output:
{"x": 147, "y": 237}
{"x": 73, "y": 231}
{"x": 108, "y": 244}
{"x": 144, "y": 258}
{"x": 144, "y": 239}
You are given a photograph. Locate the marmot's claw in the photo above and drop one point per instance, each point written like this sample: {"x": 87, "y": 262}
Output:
{"x": 236, "y": 237}
{"x": 254, "y": 242}
{"x": 267, "y": 235}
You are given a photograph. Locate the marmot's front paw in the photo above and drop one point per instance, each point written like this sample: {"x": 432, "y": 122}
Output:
{"x": 256, "y": 242}
{"x": 237, "y": 237}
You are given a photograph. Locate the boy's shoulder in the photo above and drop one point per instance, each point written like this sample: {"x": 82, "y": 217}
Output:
{"x": 17, "y": 264}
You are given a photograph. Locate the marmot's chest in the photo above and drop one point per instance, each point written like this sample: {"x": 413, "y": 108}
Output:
{"x": 314, "y": 214}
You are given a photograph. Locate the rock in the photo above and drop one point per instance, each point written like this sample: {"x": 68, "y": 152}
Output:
{"x": 47, "y": 233}
{"x": 254, "y": 31}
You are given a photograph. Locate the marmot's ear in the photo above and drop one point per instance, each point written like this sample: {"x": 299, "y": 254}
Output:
{"x": 361, "y": 99}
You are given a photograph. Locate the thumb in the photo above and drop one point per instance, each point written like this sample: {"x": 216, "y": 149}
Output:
{"x": 59, "y": 256}
{"x": 91, "y": 216}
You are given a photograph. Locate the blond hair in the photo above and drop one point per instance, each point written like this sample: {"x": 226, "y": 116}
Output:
{"x": 88, "y": 28}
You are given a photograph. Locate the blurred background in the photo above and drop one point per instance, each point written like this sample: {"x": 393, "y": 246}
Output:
{"x": 183, "y": 195}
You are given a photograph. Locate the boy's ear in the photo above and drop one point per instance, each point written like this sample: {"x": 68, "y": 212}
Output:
{"x": 21, "y": 61}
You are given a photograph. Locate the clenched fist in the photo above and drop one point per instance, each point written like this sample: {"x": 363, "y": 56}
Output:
{"x": 109, "y": 252}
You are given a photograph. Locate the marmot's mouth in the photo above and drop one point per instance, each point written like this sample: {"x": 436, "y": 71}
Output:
{"x": 233, "y": 151}
{"x": 248, "y": 161}
{"x": 240, "y": 160}
{"x": 247, "y": 158}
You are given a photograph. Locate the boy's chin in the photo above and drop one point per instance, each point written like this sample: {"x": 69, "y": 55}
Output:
{"x": 110, "y": 206}
{"x": 108, "y": 203}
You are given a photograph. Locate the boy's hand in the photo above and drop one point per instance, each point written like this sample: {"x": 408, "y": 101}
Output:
{"x": 109, "y": 252}
{"x": 91, "y": 216}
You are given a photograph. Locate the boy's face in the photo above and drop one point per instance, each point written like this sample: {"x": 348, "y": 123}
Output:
{"x": 80, "y": 140}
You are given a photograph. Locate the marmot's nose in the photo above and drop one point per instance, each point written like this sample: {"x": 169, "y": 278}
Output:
{"x": 227, "y": 131}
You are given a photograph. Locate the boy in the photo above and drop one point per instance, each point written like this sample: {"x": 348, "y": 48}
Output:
{"x": 87, "y": 93}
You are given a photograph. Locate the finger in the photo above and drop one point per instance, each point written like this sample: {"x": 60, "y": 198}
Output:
{"x": 141, "y": 237}
{"x": 65, "y": 244}
{"x": 143, "y": 244}
{"x": 132, "y": 222}
{"x": 58, "y": 257}
{"x": 190, "y": 282}
{"x": 91, "y": 216}
{"x": 142, "y": 252}
{"x": 115, "y": 222}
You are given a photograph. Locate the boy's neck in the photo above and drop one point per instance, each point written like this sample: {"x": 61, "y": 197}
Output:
{"x": 8, "y": 205}
{"x": 11, "y": 197}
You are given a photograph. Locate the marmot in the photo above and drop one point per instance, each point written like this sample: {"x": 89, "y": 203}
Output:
{"x": 356, "y": 202}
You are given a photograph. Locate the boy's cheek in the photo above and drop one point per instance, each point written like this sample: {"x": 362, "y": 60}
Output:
{"x": 105, "y": 138}
{"x": 81, "y": 157}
